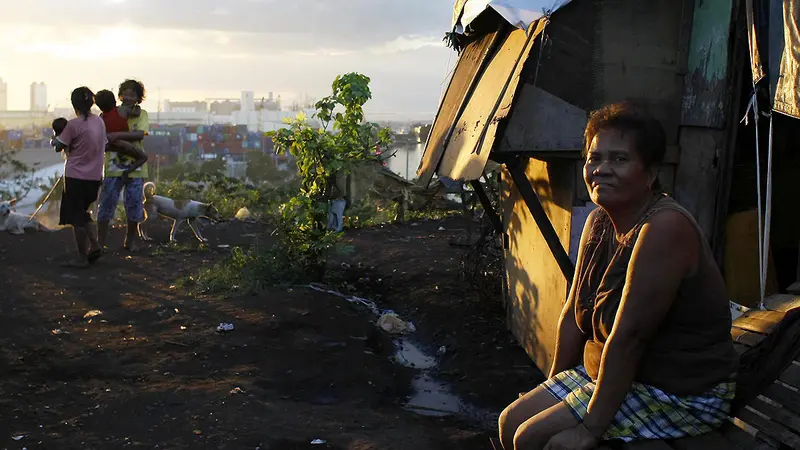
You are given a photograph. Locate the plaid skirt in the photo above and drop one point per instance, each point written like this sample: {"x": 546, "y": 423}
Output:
{"x": 647, "y": 412}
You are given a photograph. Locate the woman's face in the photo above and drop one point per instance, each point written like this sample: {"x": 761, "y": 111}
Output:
{"x": 614, "y": 172}
{"x": 128, "y": 97}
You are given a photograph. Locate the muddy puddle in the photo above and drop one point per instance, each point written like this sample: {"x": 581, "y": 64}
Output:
{"x": 432, "y": 397}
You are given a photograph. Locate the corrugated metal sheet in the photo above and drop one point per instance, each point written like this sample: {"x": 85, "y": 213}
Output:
{"x": 467, "y": 152}
{"x": 467, "y": 72}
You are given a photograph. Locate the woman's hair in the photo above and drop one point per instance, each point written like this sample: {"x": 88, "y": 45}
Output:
{"x": 106, "y": 100}
{"x": 648, "y": 136}
{"x": 82, "y": 101}
{"x": 136, "y": 86}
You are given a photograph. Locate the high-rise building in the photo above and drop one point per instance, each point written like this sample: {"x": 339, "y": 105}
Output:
{"x": 38, "y": 97}
{"x": 248, "y": 101}
{"x": 3, "y": 95}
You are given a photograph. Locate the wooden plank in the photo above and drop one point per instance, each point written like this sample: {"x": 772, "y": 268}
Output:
{"x": 782, "y": 302}
{"x": 471, "y": 64}
{"x": 706, "y": 95}
{"x": 745, "y": 337}
{"x": 740, "y": 348}
{"x": 466, "y": 153}
{"x": 791, "y": 375}
{"x": 783, "y": 396}
{"x": 647, "y": 445}
{"x": 536, "y": 287}
{"x": 759, "y": 321}
{"x": 709, "y": 441}
{"x": 778, "y": 414}
{"x": 771, "y": 428}
{"x": 746, "y": 440}
{"x": 697, "y": 175}
{"x": 531, "y": 199}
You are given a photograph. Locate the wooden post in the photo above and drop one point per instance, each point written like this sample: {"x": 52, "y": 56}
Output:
{"x": 494, "y": 218}
{"x": 517, "y": 171}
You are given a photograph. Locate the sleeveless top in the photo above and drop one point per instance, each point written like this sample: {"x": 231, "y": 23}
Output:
{"x": 692, "y": 350}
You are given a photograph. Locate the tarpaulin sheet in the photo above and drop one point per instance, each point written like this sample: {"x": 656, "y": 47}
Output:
{"x": 519, "y": 13}
{"x": 774, "y": 41}
{"x": 785, "y": 46}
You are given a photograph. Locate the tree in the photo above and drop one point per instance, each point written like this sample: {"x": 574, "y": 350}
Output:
{"x": 261, "y": 167}
{"x": 16, "y": 178}
{"x": 321, "y": 155}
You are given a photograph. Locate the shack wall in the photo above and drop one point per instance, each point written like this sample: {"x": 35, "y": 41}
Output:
{"x": 536, "y": 287}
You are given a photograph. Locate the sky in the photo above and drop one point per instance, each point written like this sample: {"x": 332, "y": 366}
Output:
{"x": 197, "y": 49}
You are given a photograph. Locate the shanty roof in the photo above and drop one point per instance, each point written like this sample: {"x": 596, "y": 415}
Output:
{"x": 519, "y": 13}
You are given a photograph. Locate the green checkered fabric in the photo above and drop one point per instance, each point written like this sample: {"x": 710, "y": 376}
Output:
{"x": 647, "y": 412}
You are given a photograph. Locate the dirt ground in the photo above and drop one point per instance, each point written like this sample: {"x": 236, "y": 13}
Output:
{"x": 150, "y": 371}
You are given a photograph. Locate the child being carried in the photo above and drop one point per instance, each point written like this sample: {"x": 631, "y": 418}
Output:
{"x": 128, "y": 157}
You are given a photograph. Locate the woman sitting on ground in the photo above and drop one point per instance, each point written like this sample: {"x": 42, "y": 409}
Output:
{"x": 644, "y": 348}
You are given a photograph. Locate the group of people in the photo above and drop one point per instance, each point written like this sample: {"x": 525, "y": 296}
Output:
{"x": 104, "y": 157}
{"x": 643, "y": 348}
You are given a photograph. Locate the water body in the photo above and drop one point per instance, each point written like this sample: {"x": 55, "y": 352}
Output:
{"x": 27, "y": 204}
{"x": 406, "y": 160}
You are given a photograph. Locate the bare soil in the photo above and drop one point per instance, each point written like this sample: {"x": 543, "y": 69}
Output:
{"x": 150, "y": 371}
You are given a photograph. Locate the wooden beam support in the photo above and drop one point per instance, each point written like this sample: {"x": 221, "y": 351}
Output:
{"x": 494, "y": 218}
{"x": 517, "y": 171}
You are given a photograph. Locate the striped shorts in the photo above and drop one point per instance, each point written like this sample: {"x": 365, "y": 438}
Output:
{"x": 647, "y": 412}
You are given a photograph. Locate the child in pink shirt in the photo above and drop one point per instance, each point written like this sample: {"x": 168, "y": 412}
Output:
{"x": 84, "y": 141}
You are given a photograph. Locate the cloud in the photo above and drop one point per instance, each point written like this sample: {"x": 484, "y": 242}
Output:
{"x": 185, "y": 49}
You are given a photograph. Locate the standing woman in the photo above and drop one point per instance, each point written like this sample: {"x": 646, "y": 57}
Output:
{"x": 121, "y": 177}
{"x": 84, "y": 140}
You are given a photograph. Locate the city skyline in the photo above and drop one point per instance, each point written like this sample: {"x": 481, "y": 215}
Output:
{"x": 185, "y": 51}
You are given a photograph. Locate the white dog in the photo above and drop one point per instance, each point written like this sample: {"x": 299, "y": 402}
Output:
{"x": 16, "y": 223}
{"x": 178, "y": 211}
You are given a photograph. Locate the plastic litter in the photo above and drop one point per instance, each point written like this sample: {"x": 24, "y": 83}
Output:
{"x": 92, "y": 313}
{"x": 391, "y": 323}
{"x": 224, "y": 327}
{"x": 242, "y": 214}
{"x": 317, "y": 442}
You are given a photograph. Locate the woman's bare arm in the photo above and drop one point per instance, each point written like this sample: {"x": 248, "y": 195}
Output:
{"x": 570, "y": 340}
{"x": 654, "y": 275}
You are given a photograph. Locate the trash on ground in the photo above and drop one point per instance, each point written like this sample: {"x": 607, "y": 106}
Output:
{"x": 317, "y": 442}
{"x": 442, "y": 350}
{"x": 92, "y": 313}
{"x": 224, "y": 246}
{"x": 242, "y": 214}
{"x": 391, "y": 323}
{"x": 17, "y": 438}
{"x": 237, "y": 390}
{"x": 224, "y": 327}
{"x": 59, "y": 331}
{"x": 442, "y": 229}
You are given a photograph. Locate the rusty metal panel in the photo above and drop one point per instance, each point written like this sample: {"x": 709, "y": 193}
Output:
{"x": 466, "y": 74}
{"x": 466, "y": 153}
{"x": 706, "y": 95}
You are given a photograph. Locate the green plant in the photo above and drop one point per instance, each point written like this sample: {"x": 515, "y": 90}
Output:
{"x": 321, "y": 156}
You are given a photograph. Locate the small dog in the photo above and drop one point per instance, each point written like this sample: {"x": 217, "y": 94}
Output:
{"x": 16, "y": 223}
{"x": 178, "y": 211}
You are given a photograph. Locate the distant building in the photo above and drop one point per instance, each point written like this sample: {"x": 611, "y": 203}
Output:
{"x": 38, "y": 97}
{"x": 3, "y": 95}
{"x": 224, "y": 107}
{"x": 248, "y": 101}
{"x": 185, "y": 107}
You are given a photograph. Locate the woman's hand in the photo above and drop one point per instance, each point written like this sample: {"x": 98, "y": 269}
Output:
{"x": 577, "y": 438}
